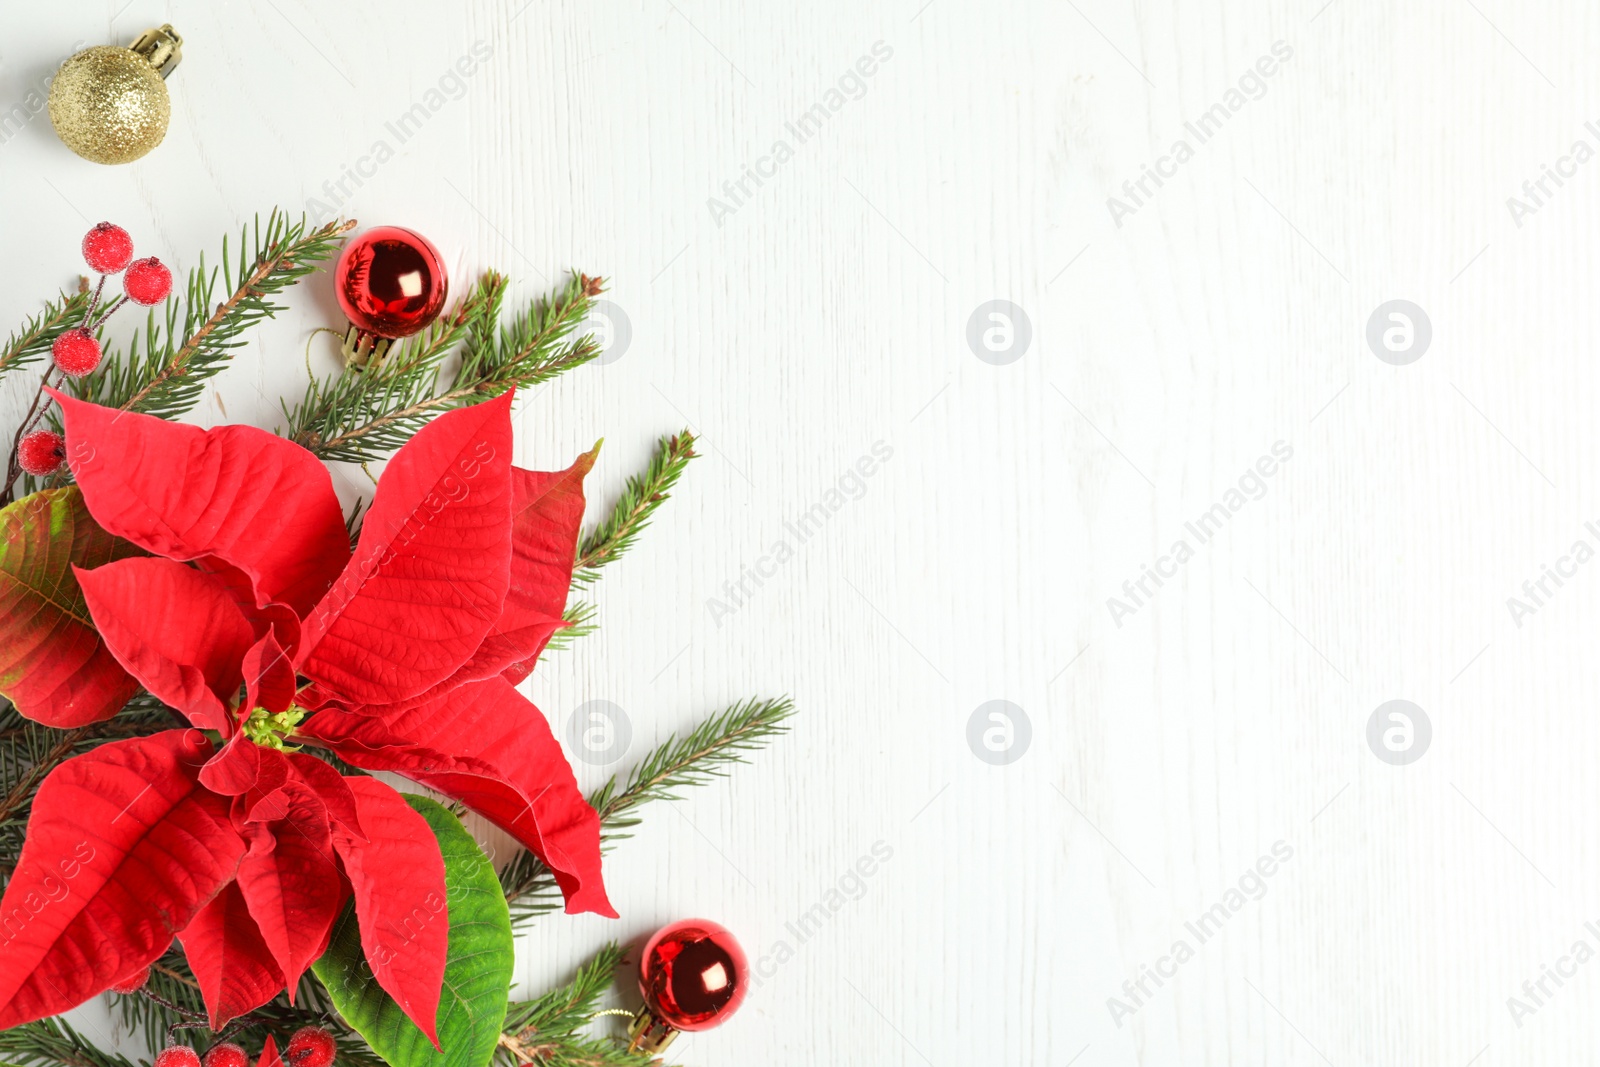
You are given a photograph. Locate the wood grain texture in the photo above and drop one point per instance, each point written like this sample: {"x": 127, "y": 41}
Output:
{"x": 829, "y": 312}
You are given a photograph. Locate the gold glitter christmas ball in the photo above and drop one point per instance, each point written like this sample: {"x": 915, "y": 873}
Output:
{"x": 110, "y": 105}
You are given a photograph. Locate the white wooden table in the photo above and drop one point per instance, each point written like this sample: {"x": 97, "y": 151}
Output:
{"x": 1175, "y": 339}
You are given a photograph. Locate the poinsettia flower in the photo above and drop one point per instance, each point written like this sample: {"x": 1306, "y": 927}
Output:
{"x": 256, "y": 621}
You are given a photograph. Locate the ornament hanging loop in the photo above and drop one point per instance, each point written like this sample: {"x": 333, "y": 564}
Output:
{"x": 161, "y": 47}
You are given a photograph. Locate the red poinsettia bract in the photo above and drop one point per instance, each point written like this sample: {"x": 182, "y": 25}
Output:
{"x": 254, "y": 619}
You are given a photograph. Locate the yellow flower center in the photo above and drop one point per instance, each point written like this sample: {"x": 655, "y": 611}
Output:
{"x": 270, "y": 728}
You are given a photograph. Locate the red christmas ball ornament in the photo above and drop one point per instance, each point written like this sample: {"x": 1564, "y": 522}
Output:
{"x": 693, "y": 975}
{"x": 107, "y": 248}
{"x": 147, "y": 282}
{"x": 391, "y": 283}
{"x": 177, "y": 1056}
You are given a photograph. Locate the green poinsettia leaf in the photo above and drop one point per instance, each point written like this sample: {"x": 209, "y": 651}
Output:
{"x": 477, "y": 973}
{"x": 53, "y": 665}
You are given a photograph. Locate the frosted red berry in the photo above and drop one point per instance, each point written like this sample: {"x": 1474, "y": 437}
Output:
{"x": 39, "y": 453}
{"x": 147, "y": 282}
{"x": 177, "y": 1056}
{"x": 136, "y": 983}
{"x": 107, "y": 248}
{"x": 226, "y": 1054}
{"x": 309, "y": 1047}
{"x": 76, "y": 351}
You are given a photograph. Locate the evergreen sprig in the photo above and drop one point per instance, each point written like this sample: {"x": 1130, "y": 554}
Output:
{"x": 362, "y": 415}
{"x": 164, "y": 369}
{"x": 329, "y": 418}
{"x": 33, "y": 339}
{"x": 706, "y": 753}
{"x": 547, "y": 1031}
{"x": 579, "y": 618}
{"x": 641, "y": 497}
{"x": 52, "y": 1043}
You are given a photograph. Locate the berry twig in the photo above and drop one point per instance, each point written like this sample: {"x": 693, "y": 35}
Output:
{"x": 188, "y": 1019}
{"x": 108, "y": 250}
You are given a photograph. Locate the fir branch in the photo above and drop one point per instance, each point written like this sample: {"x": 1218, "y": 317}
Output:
{"x": 545, "y": 1031}
{"x": 405, "y": 379}
{"x": 364, "y": 415}
{"x": 708, "y": 752}
{"x": 590, "y": 1052}
{"x": 52, "y": 1043}
{"x": 641, "y": 497}
{"x": 189, "y": 344}
{"x": 34, "y": 338}
{"x": 564, "y": 1010}
{"x": 530, "y": 349}
{"x": 632, "y": 512}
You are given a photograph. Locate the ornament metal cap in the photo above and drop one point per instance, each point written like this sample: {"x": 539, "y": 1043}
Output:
{"x": 361, "y": 349}
{"x": 161, "y": 47}
{"x": 649, "y": 1033}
